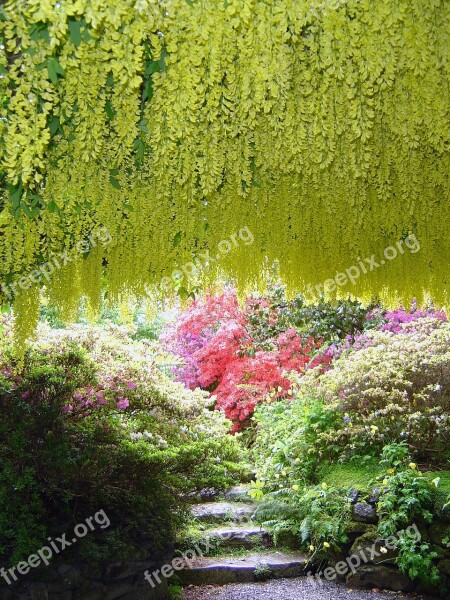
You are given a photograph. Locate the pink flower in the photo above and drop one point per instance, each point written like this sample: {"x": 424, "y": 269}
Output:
{"x": 123, "y": 403}
{"x": 100, "y": 398}
{"x": 131, "y": 385}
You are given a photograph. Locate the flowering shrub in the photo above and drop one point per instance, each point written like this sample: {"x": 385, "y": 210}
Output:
{"x": 194, "y": 328}
{"x": 395, "y": 387}
{"x": 240, "y": 355}
{"x": 90, "y": 420}
{"x": 395, "y": 319}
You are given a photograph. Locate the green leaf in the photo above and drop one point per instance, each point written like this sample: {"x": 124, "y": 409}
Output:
{"x": 147, "y": 92}
{"x": 26, "y": 209}
{"x": 15, "y": 194}
{"x": 152, "y": 66}
{"x": 39, "y": 31}
{"x": 54, "y": 69}
{"x": 177, "y": 239}
{"x": 75, "y": 31}
{"x": 54, "y": 125}
{"x": 139, "y": 148}
{"x": 52, "y": 206}
{"x": 109, "y": 109}
{"x": 114, "y": 182}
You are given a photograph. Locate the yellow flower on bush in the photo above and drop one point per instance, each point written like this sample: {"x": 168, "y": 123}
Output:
{"x": 311, "y": 548}
{"x": 391, "y": 471}
{"x": 385, "y": 481}
{"x": 324, "y": 486}
{"x": 326, "y": 545}
{"x": 412, "y": 465}
{"x": 295, "y": 488}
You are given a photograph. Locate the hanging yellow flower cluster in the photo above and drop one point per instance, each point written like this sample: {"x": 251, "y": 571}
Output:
{"x": 319, "y": 126}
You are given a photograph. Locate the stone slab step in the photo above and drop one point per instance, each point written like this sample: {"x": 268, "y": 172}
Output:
{"x": 222, "y": 571}
{"x": 223, "y": 511}
{"x": 238, "y": 493}
{"x": 246, "y": 537}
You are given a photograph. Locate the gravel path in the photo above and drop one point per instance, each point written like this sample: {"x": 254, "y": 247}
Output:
{"x": 289, "y": 589}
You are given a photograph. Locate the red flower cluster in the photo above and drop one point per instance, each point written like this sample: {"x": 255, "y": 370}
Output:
{"x": 226, "y": 359}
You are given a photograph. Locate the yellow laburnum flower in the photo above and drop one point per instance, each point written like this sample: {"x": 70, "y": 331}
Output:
{"x": 412, "y": 465}
{"x": 311, "y": 548}
{"x": 326, "y": 545}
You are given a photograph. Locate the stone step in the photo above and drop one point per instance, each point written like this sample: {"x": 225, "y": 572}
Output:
{"x": 246, "y": 569}
{"x": 238, "y": 493}
{"x": 215, "y": 512}
{"x": 243, "y": 537}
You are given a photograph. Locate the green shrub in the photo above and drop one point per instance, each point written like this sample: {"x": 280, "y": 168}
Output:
{"x": 317, "y": 517}
{"x": 389, "y": 388}
{"x": 88, "y": 422}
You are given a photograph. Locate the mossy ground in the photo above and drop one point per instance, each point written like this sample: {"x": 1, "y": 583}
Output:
{"x": 351, "y": 475}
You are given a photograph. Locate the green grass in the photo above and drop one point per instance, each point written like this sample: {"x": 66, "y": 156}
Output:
{"x": 444, "y": 483}
{"x": 351, "y": 474}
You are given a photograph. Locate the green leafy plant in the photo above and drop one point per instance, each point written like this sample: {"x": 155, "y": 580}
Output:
{"x": 262, "y": 572}
{"x": 316, "y": 517}
{"x": 89, "y": 422}
{"x": 407, "y": 498}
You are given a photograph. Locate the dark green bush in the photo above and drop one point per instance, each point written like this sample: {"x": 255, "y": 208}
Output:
{"x": 60, "y": 464}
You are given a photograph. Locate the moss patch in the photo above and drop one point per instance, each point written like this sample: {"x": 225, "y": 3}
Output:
{"x": 351, "y": 474}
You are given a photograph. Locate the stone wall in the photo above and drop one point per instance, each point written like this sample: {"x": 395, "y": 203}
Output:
{"x": 380, "y": 570}
{"x": 81, "y": 580}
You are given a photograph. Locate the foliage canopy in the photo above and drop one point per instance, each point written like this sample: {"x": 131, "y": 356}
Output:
{"x": 322, "y": 126}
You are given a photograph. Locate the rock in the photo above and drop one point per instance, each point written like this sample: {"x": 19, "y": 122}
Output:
{"x": 118, "y": 589}
{"x": 123, "y": 569}
{"x": 388, "y": 578}
{"x": 369, "y": 548}
{"x": 91, "y": 590}
{"x": 374, "y": 496}
{"x": 208, "y": 494}
{"x": 353, "y": 495}
{"x": 144, "y": 591}
{"x": 238, "y": 493}
{"x": 438, "y": 532}
{"x": 222, "y": 571}
{"x": 444, "y": 566}
{"x": 70, "y": 575}
{"x": 361, "y": 511}
{"x": 223, "y": 511}
{"x": 245, "y": 537}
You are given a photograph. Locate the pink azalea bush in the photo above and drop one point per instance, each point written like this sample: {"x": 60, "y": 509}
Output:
{"x": 239, "y": 353}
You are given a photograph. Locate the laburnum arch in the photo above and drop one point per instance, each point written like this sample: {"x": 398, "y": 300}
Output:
{"x": 320, "y": 125}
